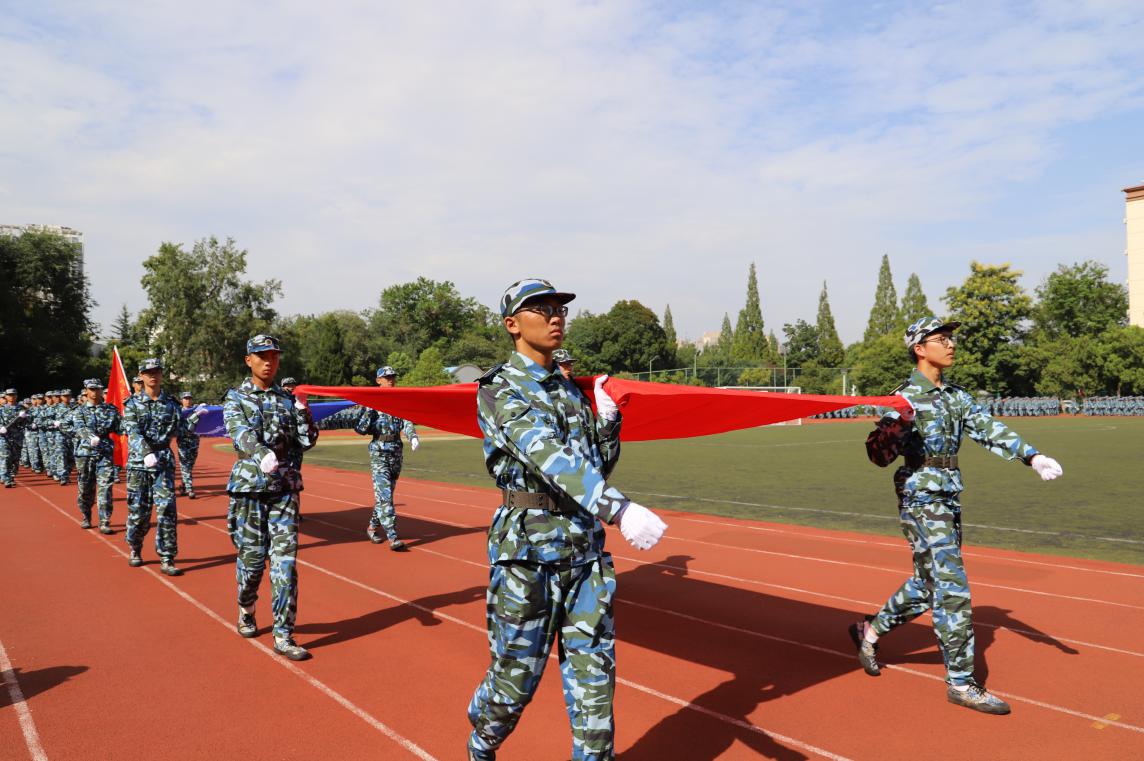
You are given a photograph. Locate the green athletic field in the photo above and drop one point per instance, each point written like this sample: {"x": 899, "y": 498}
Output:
{"x": 818, "y": 475}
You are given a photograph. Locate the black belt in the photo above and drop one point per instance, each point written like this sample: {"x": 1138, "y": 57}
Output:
{"x": 947, "y": 461}
{"x": 529, "y": 500}
{"x": 389, "y": 439}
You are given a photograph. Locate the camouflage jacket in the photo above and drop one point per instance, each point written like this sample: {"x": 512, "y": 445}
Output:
{"x": 260, "y": 422}
{"x": 45, "y": 421}
{"x": 150, "y": 424}
{"x": 944, "y": 415}
{"x": 186, "y": 435}
{"x": 385, "y": 429}
{"x": 10, "y": 418}
{"x": 541, "y": 435}
{"x": 100, "y": 420}
{"x": 64, "y": 415}
{"x": 33, "y": 418}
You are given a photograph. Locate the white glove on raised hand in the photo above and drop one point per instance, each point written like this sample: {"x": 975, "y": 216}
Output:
{"x": 299, "y": 404}
{"x": 150, "y": 460}
{"x": 3, "y": 430}
{"x": 640, "y": 526}
{"x": 202, "y": 406}
{"x": 414, "y": 443}
{"x": 605, "y": 405}
{"x": 23, "y": 413}
{"x": 93, "y": 441}
{"x": 269, "y": 463}
{"x": 1047, "y": 468}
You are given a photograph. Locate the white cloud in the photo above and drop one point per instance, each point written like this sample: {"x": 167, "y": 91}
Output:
{"x": 620, "y": 149}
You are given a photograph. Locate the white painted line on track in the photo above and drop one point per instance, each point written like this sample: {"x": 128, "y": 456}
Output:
{"x": 321, "y": 686}
{"x": 23, "y": 713}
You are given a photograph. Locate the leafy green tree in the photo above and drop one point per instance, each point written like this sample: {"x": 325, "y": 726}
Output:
{"x": 399, "y": 361}
{"x": 45, "y": 304}
{"x": 884, "y": 315}
{"x": 671, "y": 356}
{"x": 201, "y": 311}
{"x": 991, "y": 307}
{"x": 879, "y": 365}
{"x": 628, "y": 338}
{"x": 914, "y": 302}
{"x": 802, "y": 343}
{"x": 413, "y": 316}
{"x": 325, "y": 363}
{"x": 726, "y": 340}
{"x": 429, "y": 370}
{"x": 1079, "y": 300}
{"x": 750, "y": 343}
{"x": 830, "y": 350}
{"x": 1122, "y": 360}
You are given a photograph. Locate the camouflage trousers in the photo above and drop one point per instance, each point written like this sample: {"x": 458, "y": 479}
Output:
{"x": 32, "y": 447}
{"x": 144, "y": 490}
{"x": 385, "y": 468}
{"x": 187, "y": 457}
{"x": 94, "y": 477}
{"x": 25, "y": 451}
{"x": 529, "y": 606}
{"x": 261, "y": 525}
{"x": 46, "y": 459}
{"x": 8, "y": 460}
{"x": 65, "y": 456}
{"x": 939, "y": 584}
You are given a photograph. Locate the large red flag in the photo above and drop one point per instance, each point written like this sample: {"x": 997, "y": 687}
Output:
{"x": 651, "y": 410}
{"x": 117, "y": 392}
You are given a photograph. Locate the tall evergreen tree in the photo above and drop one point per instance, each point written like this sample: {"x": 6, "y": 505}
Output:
{"x": 830, "y": 350}
{"x": 122, "y": 331}
{"x": 884, "y": 316}
{"x": 726, "y": 338}
{"x": 669, "y": 328}
{"x": 750, "y": 343}
{"x": 914, "y": 304}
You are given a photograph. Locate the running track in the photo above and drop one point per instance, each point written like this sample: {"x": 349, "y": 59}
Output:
{"x": 732, "y": 642}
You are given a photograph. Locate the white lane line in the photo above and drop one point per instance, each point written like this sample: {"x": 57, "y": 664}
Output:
{"x": 16, "y": 696}
{"x": 484, "y": 634}
{"x": 322, "y": 687}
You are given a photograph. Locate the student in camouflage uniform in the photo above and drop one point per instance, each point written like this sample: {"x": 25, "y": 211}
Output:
{"x": 564, "y": 360}
{"x": 151, "y": 420}
{"x": 550, "y": 578}
{"x": 929, "y": 486}
{"x": 188, "y": 443}
{"x": 385, "y": 460}
{"x": 65, "y": 438}
{"x": 48, "y": 424}
{"x": 288, "y": 384}
{"x": 32, "y": 438}
{"x": 13, "y": 417}
{"x": 93, "y": 423}
{"x": 270, "y": 430}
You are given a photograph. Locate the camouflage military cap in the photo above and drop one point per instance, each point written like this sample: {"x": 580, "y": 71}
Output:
{"x": 924, "y": 327}
{"x": 562, "y": 356}
{"x": 65, "y": 392}
{"x": 93, "y": 383}
{"x": 262, "y": 342}
{"x": 137, "y": 379}
{"x": 151, "y": 363}
{"x": 524, "y": 290}
{"x": 288, "y": 382}
{"x": 37, "y": 396}
{"x": 11, "y": 392}
{"x": 185, "y": 395}
{"x": 386, "y": 372}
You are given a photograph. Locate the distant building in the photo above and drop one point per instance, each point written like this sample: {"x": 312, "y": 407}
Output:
{"x": 1134, "y": 227}
{"x": 68, "y": 233}
{"x": 465, "y": 373}
{"x": 710, "y": 338}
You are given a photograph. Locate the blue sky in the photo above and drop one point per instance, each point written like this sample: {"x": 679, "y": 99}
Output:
{"x": 625, "y": 150}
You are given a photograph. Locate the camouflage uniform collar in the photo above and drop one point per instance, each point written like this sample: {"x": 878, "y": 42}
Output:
{"x": 248, "y": 387}
{"x": 922, "y": 383}
{"x": 163, "y": 396}
{"x": 534, "y": 370}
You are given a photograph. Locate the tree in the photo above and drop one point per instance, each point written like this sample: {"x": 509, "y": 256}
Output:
{"x": 884, "y": 315}
{"x": 45, "y": 305}
{"x": 879, "y": 365}
{"x": 726, "y": 339}
{"x": 201, "y": 312}
{"x": 627, "y": 339}
{"x": 750, "y": 341}
{"x": 671, "y": 355}
{"x": 830, "y": 350}
{"x": 1080, "y": 301}
{"x": 1122, "y": 360}
{"x": 914, "y": 303}
{"x": 400, "y": 362}
{"x": 429, "y": 370}
{"x": 802, "y": 343}
{"x": 990, "y": 305}
{"x": 413, "y": 316}
{"x": 323, "y": 353}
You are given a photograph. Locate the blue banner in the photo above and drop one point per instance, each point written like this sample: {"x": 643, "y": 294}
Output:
{"x": 210, "y": 422}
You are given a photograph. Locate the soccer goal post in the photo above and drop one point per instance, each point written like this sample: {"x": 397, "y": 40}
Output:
{"x": 775, "y": 390}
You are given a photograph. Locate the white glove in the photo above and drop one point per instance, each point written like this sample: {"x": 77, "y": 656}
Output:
{"x": 23, "y": 413}
{"x": 55, "y": 424}
{"x": 202, "y": 406}
{"x": 3, "y": 430}
{"x": 908, "y": 415}
{"x": 94, "y": 441}
{"x": 299, "y": 404}
{"x": 1047, "y": 468}
{"x": 269, "y": 463}
{"x": 150, "y": 460}
{"x": 640, "y": 526}
{"x": 605, "y": 405}
{"x": 414, "y": 443}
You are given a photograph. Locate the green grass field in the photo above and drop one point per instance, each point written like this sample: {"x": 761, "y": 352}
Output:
{"x": 818, "y": 475}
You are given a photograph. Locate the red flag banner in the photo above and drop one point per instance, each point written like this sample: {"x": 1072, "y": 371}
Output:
{"x": 117, "y": 392}
{"x": 651, "y": 410}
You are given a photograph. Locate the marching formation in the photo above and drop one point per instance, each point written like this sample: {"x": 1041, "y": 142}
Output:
{"x": 550, "y": 450}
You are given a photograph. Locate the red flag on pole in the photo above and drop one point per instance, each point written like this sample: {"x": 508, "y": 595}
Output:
{"x": 117, "y": 392}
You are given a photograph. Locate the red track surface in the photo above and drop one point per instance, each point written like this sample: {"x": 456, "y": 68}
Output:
{"x": 732, "y": 642}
